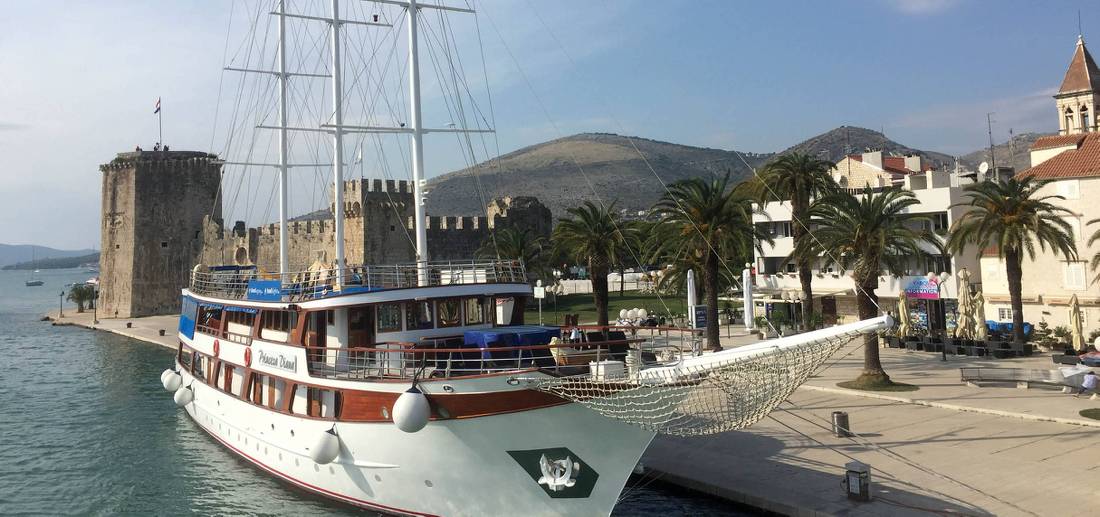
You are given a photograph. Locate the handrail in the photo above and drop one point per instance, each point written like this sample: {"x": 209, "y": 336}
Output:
{"x": 250, "y": 282}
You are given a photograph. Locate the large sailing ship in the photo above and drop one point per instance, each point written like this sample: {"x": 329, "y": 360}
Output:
{"x": 406, "y": 389}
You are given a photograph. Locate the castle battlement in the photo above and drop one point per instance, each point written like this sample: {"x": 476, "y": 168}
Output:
{"x": 173, "y": 160}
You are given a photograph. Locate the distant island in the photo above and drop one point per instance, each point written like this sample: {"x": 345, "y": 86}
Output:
{"x": 57, "y": 263}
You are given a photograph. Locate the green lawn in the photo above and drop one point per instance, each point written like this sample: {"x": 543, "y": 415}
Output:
{"x": 553, "y": 311}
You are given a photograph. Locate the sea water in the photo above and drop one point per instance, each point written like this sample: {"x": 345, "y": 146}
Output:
{"x": 87, "y": 429}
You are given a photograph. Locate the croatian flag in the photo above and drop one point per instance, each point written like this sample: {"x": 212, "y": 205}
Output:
{"x": 158, "y": 107}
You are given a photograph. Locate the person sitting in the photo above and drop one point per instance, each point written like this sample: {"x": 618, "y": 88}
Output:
{"x": 137, "y": 148}
{"x": 156, "y": 147}
{"x": 165, "y": 147}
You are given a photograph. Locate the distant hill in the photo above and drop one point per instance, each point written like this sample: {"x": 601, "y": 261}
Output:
{"x": 834, "y": 144}
{"x": 57, "y": 262}
{"x": 12, "y": 253}
{"x": 1013, "y": 152}
{"x": 618, "y": 167}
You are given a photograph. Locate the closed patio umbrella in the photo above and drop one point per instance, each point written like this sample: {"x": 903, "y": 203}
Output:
{"x": 1075, "y": 324}
{"x": 964, "y": 326}
{"x": 904, "y": 327}
{"x": 981, "y": 332}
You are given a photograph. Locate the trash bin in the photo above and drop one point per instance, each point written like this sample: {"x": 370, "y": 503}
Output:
{"x": 840, "y": 424}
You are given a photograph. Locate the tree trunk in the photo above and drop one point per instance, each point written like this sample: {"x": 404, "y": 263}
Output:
{"x": 1015, "y": 274}
{"x": 599, "y": 291}
{"x": 805, "y": 276}
{"x": 622, "y": 280}
{"x": 805, "y": 266}
{"x": 710, "y": 288}
{"x": 872, "y": 364}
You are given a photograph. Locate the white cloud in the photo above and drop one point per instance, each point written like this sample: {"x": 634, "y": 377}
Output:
{"x": 922, "y": 7}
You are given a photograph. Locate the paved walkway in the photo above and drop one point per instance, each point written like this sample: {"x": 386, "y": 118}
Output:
{"x": 953, "y": 449}
{"x": 145, "y": 329}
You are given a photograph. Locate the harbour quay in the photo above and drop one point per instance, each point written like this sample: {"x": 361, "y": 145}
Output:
{"x": 945, "y": 449}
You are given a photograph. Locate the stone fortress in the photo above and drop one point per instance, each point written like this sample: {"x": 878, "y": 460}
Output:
{"x": 162, "y": 215}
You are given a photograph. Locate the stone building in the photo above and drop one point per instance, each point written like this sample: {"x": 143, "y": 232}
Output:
{"x": 154, "y": 204}
{"x": 1070, "y": 164}
{"x": 162, "y": 216}
{"x": 378, "y": 229}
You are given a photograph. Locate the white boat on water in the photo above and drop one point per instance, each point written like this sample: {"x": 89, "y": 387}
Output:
{"x": 399, "y": 388}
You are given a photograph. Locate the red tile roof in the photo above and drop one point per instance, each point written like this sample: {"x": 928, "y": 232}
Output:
{"x": 1050, "y": 142}
{"x": 1082, "y": 75}
{"x": 1082, "y": 162}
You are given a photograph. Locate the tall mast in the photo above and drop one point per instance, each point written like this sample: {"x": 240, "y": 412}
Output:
{"x": 283, "y": 244}
{"x": 417, "y": 149}
{"x": 337, "y": 145}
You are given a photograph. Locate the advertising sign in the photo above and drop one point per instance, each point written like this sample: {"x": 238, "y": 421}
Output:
{"x": 923, "y": 288}
{"x": 265, "y": 290}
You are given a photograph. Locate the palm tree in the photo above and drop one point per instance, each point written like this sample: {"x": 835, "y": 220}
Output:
{"x": 1094, "y": 264}
{"x": 1013, "y": 216}
{"x": 592, "y": 235}
{"x": 706, "y": 223}
{"x": 522, "y": 245}
{"x": 798, "y": 178}
{"x": 82, "y": 295}
{"x": 867, "y": 234}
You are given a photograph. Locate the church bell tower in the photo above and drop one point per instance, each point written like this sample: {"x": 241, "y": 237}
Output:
{"x": 1077, "y": 98}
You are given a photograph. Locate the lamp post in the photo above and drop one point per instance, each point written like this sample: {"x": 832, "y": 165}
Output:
{"x": 95, "y": 305}
{"x": 61, "y": 304}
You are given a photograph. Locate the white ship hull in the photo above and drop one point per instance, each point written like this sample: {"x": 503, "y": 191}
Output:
{"x": 451, "y": 467}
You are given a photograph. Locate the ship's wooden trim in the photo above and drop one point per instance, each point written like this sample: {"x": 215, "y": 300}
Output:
{"x": 365, "y": 406}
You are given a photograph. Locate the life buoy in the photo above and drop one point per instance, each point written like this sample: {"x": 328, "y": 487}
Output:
{"x": 248, "y": 357}
{"x": 217, "y": 347}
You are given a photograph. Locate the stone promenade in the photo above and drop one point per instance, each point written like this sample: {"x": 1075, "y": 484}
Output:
{"x": 945, "y": 449}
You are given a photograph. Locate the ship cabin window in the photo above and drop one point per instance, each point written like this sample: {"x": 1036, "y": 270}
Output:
{"x": 418, "y": 315}
{"x": 360, "y": 326}
{"x": 209, "y": 319}
{"x": 277, "y": 325}
{"x": 266, "y": 390}
{"x": 321, "y": 402}
{"x": 475, "y": 311}
{"x": 316, "y": 325}
{"x": 389, "y": 317}
{"x": 185, "y": 358}
{"x": 238, "y": 323}
{"x": 198, "y": 365}
{"x": 449, "y": 312}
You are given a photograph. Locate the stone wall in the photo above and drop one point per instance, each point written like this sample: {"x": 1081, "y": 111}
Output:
{"x": 378, "y": 229}
{"x": 154, "y": 205}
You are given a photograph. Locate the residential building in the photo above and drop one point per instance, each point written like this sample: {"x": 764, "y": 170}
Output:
{"x": 930, "y": 283}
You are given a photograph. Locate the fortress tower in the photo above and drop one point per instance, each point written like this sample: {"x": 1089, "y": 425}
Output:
{"x": 152, "y": 230}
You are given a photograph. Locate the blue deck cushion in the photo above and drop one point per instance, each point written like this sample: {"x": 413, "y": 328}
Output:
{"x": 518, "y": 335}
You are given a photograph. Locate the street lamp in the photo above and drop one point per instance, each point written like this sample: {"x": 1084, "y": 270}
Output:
{"x": 61, "y": 304}
{"x": 95, "y": 305}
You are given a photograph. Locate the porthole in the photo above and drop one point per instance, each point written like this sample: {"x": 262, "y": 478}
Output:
{"x": 385, "y": 412}
{"x": 428, "y": 483}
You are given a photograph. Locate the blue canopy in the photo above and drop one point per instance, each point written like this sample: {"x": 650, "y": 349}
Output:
{"x": 1006, "y": 328}
{"x": 519, "y": 335}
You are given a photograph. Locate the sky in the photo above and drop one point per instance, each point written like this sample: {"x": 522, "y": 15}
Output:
{"x": 81, "y": 79}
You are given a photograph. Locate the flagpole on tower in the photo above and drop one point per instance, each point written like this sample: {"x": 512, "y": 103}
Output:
{"x": 160, "y": 123}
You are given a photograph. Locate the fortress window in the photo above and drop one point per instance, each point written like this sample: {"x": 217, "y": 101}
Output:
{"x": 393, "y": 228}
{"x": 117, "y": 246}
{"x": 449, "y": 313}
{"x": 164, "y": 244}
{"x": 475, "y": 311}
{"x": 389, "y": 317}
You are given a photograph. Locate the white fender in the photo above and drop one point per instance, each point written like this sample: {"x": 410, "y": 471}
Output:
{"x": 184, "y": 396}
{"x": 411, "y": 411}
{"x": 171, "y": 380}
{"x": 327, "y": 447}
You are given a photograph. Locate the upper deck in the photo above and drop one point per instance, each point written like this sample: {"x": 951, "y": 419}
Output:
{"x": 255, "y": 284}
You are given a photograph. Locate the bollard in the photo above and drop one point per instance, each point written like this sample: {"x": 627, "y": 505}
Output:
{"x": 129, "y": 324}
{"x": 857, "y": 481}
{"x": 840, "y": 424}
{"x": 161, "y": 331}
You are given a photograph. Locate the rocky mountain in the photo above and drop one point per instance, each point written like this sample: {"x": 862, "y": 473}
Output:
{"x": 12, "y": 253}
{"x": 1013, "y": 152}
{"x": 563, "y": 173}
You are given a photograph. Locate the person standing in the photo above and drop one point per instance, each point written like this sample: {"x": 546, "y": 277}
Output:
{"x": 1088, "y": 383}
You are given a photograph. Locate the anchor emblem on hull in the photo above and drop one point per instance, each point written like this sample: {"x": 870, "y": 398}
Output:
{"x": 558, "y": 471}
{"x": 558, "y": 475}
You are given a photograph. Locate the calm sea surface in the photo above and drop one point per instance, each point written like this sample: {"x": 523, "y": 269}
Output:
{"x": 86, "y": 429}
